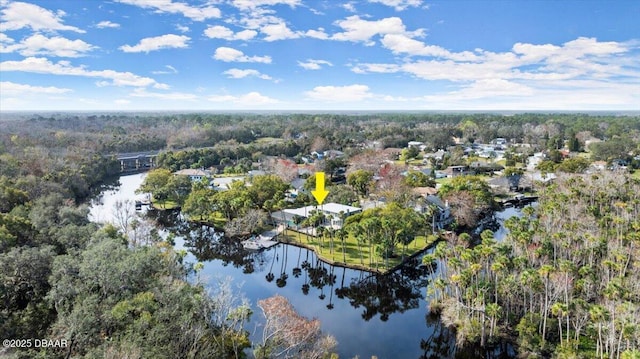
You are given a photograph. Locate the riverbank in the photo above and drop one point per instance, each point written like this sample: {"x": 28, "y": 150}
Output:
{"x": 350, "y": 254}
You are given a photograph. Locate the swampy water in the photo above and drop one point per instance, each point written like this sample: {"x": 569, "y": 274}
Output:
{"x": 381, "y": 315}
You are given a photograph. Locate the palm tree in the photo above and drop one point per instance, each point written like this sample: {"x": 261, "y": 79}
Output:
{"x": 599, "y": 315}
{"x": 342, "y": 234}
{"x": 320, "y": 232}
{"x": 493, "y": 310}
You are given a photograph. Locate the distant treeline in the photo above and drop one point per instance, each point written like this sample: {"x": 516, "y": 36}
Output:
{"x": 114, "y": 133}
{"x": 75, "y": 148}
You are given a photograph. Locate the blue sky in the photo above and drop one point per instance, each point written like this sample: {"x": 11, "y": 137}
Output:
{"x": 319, "y": 55}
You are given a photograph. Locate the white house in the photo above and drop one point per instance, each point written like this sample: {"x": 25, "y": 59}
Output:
{"x": 194, "y": 174}
{"x": 334, "y": 213}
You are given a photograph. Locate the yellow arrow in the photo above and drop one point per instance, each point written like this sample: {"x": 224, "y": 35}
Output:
{"x": 320, "y": 193}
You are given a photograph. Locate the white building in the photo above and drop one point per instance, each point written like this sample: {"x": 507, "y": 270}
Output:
{"x": 334, "y": 213}
{"x": 194, "y": 174}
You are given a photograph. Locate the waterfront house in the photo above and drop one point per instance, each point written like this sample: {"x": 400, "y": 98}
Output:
{"x": 194, "y": 174}
{"x": 334, "y": 213}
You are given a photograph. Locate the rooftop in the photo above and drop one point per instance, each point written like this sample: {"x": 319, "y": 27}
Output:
{"x": 193, "y": 172}
{"x": 334, "y": 208}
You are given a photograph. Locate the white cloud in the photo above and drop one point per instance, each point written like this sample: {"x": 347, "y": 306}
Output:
{"x": 182, "y": 28}
{"x": 348, "y": 93}
{"x": 399, "y": 5}
{"x": 171, "y": 70}
{"x": 311, "y": 64}
{"x": 240, "y": 74}
{"x": 53, "y": 46}
{"x": 574, "y": 95}
{"x": 168, "y": 6}
{"x": 257, "y": 18}
{"x": 403, "y": 44}
{"x": 228, "y": 54}
{"x": 491, "y": 88}
{"x": 169, "y": 41}
{"x": 278, "y": 31}
{"x": 251, "y": 99}
{"x": 122, "y": 102}
{"x": 349, "y": 6}
{"x": 11, "y": 89}
{"x": 580, "y": 74}
{"x": 222, "y": 32}
{"x": 376, "y": 68}
{"x": 4, "y": 39}
{"x": 252, "y": 4}
{"x": 107, "y": 24}
{"x": 18, "y": 15}
{"x": 42, "y": 65}
{"x": 317, "y": 34}
{"x": 574, "y": 59}
{"x": 173, "y": 96}
{"x": 360, "y": 30}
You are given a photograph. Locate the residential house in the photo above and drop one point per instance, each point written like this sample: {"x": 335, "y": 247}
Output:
{"x": 194, "y": 174}
{"x": 453, "y": 171}
{"x": 334, "y": 212}
{"x": 418, "y": 144}
{"x": 442, "y": 215}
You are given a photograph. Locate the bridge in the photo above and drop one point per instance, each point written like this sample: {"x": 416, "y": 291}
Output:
{"x": 137, "y": 161}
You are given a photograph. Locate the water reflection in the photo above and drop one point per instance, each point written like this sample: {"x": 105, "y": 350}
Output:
{"x": 207, "y": 244}
{"x": 377, "y": 295}
{"x": 346, "y": 301}
{"x": 384, "y": 295}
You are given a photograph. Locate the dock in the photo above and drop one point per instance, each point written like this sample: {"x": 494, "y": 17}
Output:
{"x": 262, "y": 241}
{"x": 519, "y": 200}
{"x": 139, "y": 204}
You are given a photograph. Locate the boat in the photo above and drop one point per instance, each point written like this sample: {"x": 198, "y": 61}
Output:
{"x": 259, "y": 242}
{"x": 252, "y": 245}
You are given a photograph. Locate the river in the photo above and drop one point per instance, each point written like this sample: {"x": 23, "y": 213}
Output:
{"x": 369, "y": 315}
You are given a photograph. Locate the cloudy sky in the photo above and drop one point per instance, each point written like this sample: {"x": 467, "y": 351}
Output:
{"x": 319, "y": 55}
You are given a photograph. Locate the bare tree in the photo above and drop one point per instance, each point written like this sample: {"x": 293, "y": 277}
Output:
{"x": 287, "y": 334}
{"x": 249, "y": 223}
{"x": 123, "y": 213}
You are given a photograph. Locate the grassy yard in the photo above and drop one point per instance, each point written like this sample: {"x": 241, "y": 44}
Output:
{"x": 164, "y": 205}
{"x": 351, "y": 257}
{"x": 216, "y": 219}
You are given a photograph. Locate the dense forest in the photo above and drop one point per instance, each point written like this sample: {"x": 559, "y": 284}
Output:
{"x": 565, "y": 281}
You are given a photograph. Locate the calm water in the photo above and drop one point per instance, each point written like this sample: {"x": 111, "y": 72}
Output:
{"x": 369, "y": 315}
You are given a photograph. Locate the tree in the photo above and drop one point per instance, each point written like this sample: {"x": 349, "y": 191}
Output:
{"x": 178, "y": 188}
{"x": 199, "y": 204}
{"x": 155, "y": 181}
{"x": 266, "y": 187}
{"x": 343, "y": 195}
{"x": 24, "y": 274}
{"x": 418, "y": 179}
{"x": 124, "y": 213}
{"x": 249, "y": 223}
{"x": 361, "y": 181}
{"x": 469, "y": 198}
{"x": 409, "y": 153}
{"x": 574, "y": 165}
{"x": 10, "y": 196}
{"x": 286, "y": 334}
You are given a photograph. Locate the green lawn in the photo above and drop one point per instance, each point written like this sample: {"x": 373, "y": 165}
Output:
{"x": 352, "y": 254}
{"x": 636, "y": 175}
{"x": 215, "y": 219}
{"x": 164, "y": 205}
